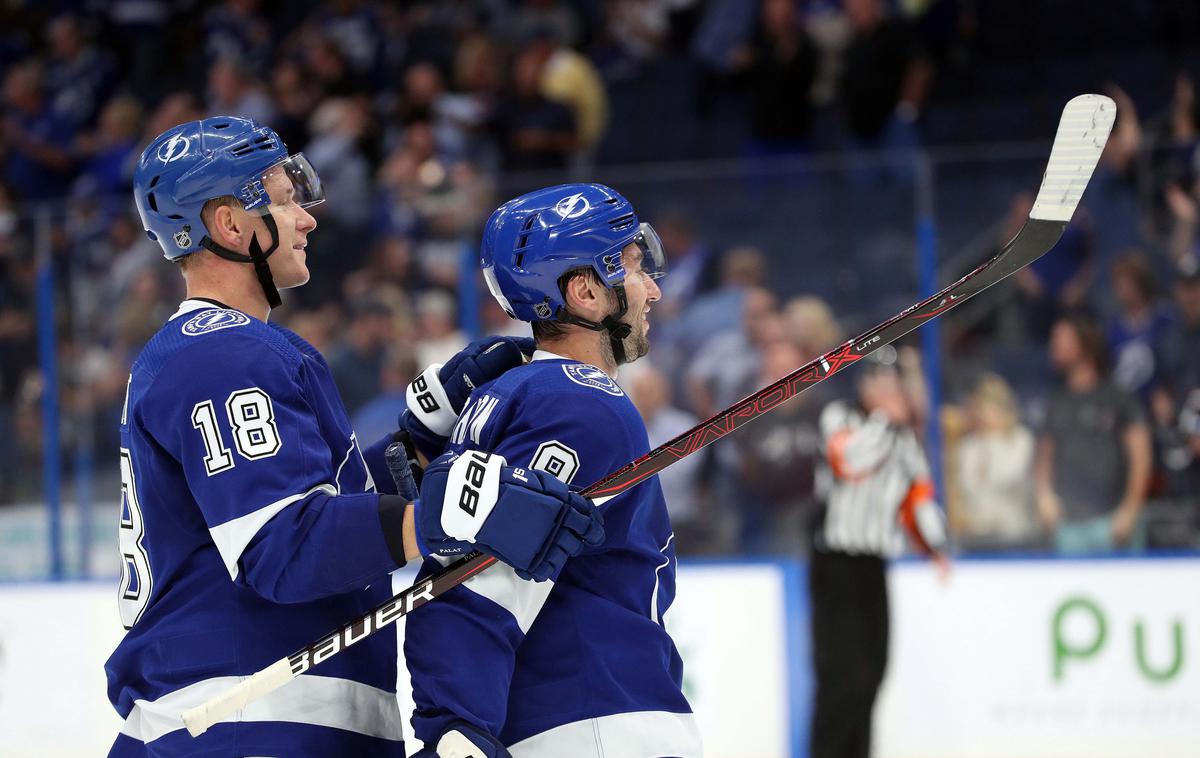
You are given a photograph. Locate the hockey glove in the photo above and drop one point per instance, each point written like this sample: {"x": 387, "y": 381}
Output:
{"x": 462, "y": 740}
{"x": 528, "y": 519}
{"x": 438, "y": 394}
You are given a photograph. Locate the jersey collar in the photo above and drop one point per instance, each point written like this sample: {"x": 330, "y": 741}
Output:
{"x": 546, "y": 355}
{"x": 193, "y": 304}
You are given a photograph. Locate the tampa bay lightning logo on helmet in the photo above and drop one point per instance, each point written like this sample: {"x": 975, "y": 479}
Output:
{"x": 573, "y": 207}
{"x": 590, "y": 376}
{"x": 174, "y": 148}
{"x": 212, "y": 320}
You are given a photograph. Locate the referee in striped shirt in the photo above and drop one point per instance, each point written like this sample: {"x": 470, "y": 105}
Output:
{"x": 878, "y": 487}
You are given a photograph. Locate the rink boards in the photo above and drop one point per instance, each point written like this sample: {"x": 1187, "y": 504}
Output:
{"x": 1044, "y": 659}
{"x": 1013, "y": 658}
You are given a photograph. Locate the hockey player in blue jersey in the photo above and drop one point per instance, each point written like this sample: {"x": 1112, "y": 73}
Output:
{"x": 252, "y": 520}
{"x": 582, "y": 665}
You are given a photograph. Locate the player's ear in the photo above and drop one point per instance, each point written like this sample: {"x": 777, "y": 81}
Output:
{"x": 227, "y": 227}
{"x": 584, "y": 297}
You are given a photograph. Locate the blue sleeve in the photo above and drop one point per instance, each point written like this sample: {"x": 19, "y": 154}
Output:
{"x": 240, "y": 419}
{"x": 461, "y": 650}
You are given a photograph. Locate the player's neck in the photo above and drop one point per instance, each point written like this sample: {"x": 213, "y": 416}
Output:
{"x": 585, "y": 347}
{"x": 234, "y": 291}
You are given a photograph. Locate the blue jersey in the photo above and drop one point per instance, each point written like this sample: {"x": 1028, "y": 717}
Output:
{"x": 582, "y": 664}
{"x": 250, "y": 526}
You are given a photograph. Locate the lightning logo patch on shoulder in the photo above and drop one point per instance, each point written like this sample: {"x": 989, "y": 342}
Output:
{"x": 590, "y": 376}
{"x": 212, "y": 320}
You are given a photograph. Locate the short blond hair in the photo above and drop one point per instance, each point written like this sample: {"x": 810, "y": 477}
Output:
{"x": 992, "y": 390}
{"x": 811, "y": 322}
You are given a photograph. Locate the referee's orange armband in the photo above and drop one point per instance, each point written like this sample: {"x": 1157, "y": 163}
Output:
{"x": 919, "y": 493}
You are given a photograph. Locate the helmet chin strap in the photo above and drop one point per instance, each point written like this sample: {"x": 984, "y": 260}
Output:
{"x": 257, "y": 256}
{"x": 617, "y": 329}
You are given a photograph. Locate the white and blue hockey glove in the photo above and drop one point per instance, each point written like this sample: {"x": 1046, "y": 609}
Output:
{"x": 438, "y": 394}
{"x": 463, "y": 740}
{"x": 527, "y": 519}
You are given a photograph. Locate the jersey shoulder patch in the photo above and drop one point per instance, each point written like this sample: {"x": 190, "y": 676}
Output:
{"x": 212, "y": 320}
{"x": 586, "y": 375}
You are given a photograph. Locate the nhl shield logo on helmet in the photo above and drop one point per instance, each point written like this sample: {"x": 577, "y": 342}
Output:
{"x": 183, "y": 238}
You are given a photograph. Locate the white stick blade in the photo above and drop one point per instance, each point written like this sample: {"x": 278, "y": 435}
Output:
{"x": 1082, "y": 134}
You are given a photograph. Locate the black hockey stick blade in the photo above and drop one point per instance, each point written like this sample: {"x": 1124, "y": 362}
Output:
{"x": 1082, "y": 133}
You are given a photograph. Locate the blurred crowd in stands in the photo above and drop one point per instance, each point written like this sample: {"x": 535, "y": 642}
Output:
{"x": 421, "y": 116}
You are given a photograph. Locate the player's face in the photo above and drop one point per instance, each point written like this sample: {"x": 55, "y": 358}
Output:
{"x": 641, "y": 291}
{"x": 288, "y": 266}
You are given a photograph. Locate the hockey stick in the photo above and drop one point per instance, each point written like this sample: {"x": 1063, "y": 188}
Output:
{"x": 1082, "y": 133}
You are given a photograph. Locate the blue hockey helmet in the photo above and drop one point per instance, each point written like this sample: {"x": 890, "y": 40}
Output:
{"x": 532, "y": 241}
{"x": 192, "y": 163}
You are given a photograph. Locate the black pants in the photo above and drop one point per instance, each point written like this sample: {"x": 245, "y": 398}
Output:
{"x": 850, "y": 641}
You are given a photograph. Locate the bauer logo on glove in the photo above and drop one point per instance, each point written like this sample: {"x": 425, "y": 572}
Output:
{"x": 526, "y": 518}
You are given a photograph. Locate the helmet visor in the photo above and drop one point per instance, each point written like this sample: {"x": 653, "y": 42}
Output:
{"x": 654, "y": 260}
{"x": 292, "y": 179}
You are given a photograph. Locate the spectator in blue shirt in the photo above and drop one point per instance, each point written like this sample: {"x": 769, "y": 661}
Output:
{"x": 80, "y": 76}
{"x": 38, "y": 162}
{"x": 1136, "y": 332}
{"x": 110, "y": 153}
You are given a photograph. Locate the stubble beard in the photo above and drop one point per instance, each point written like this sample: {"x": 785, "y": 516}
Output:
{"x": 637, "y": 344}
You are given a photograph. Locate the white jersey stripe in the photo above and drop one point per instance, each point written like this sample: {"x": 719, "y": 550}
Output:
{"x": 337, "y": 477}
{"x": 308, "y": 699}
{"x": 642, "y": 734}
{"x": 666, "y": 562}
{"x": 233, "y": 536}
{"x": 500, "y": 584}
